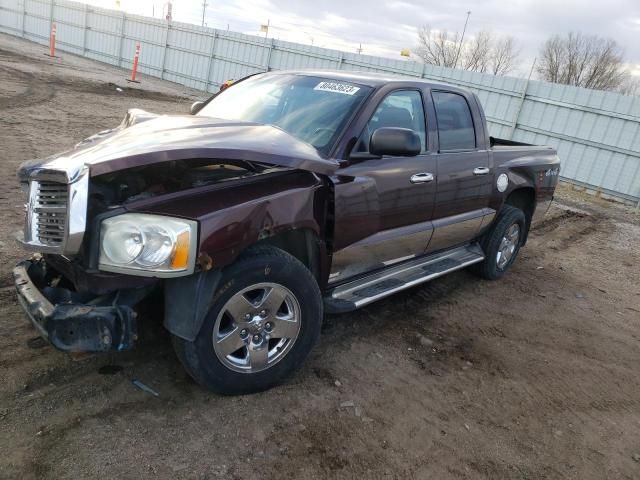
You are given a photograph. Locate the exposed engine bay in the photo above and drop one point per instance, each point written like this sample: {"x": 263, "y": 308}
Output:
{"x": 149, "y": 181}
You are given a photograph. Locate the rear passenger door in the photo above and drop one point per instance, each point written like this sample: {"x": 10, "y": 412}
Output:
{"x": 464, "y": 176}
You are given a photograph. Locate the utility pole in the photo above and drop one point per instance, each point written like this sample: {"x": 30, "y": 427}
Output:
{"x": 359, "y": 49}
{"x": 204, "y": 8}
{"x": 461, "y": 39}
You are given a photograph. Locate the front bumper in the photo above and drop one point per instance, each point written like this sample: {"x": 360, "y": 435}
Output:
{"x": 74, "y": 322}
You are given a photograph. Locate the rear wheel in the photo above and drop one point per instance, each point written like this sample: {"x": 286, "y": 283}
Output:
{"x": 502, "y": 243}
{"x": 262, "y": 324}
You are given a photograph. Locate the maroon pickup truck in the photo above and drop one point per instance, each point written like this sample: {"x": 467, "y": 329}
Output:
{"x": 287, "y": 195}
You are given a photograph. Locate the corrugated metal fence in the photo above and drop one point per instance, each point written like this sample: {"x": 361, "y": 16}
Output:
{"x": 597, "y": 134}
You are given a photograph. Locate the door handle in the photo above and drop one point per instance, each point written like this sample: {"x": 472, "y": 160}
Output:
{"x": 480, "y": 171}
{"x": 422, "y": 178}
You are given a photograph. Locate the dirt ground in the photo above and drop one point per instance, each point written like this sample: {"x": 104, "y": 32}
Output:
{"x": 534, "y": 376}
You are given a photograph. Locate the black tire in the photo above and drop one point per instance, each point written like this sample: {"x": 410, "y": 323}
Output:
{"x": 491, "y": 240}
{"x": 257, "y": 265}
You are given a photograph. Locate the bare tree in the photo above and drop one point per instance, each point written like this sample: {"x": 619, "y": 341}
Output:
{"x": 437, "y": 47}
{"x": 582, "y": 60}
{"x": 504, "y": 56}
{"x": 480, "y": 53}
{"x": 476, "y": 53}
{"x": 630, "y": 86}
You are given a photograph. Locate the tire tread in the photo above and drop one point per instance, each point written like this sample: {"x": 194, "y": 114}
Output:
{"x": 490, "y": 241}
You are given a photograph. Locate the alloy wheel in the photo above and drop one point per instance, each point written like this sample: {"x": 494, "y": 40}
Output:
{"x": 256, "y": 328}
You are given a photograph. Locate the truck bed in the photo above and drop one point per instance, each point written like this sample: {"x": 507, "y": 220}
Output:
{"x": 502, "y": 144}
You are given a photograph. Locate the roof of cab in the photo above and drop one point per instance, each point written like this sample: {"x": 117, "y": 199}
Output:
{"x": 370, "y": 79}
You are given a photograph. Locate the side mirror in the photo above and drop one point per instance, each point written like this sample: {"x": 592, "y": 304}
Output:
{"x": 195, "y": 107}
{"x": 399, "y": 142}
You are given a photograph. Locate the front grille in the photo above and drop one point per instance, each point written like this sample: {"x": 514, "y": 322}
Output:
{"x": 50, "y": 212}
{"x": 56, "y": 215}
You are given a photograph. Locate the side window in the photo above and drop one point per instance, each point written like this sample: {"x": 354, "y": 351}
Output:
{"x": 455, "y": 124}
{"x": 399, "y": 109}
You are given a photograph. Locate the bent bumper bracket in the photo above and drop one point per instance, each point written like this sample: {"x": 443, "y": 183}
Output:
{"x": 75, "y": 327}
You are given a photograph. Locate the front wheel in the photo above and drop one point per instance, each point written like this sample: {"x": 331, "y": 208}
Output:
{"x": 263, "y": 321}
{"x": 502, "y": 243}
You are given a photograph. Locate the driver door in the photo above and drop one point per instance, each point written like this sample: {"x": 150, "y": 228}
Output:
{"x": 384, "y": 205}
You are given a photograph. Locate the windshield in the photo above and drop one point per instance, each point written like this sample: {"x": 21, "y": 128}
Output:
{"x": 312, "y": 109}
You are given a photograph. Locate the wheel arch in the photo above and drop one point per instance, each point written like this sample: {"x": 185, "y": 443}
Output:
{"x": 187, "y": 298}
{"x": 523, "y": 198}
{"x": 303, "y": 244}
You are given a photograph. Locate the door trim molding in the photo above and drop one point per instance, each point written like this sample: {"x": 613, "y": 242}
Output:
{"x": 457, "y": 229}
{"x": 379, "y": 250}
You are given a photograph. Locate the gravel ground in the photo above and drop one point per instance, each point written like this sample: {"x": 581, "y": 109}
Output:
{"x": 534, "y": 376}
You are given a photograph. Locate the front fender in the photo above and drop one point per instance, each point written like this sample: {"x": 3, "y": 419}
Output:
{"x": 233, "y": 217}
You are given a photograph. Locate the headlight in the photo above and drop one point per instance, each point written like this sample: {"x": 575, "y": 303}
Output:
{"x": 150, "y": 245}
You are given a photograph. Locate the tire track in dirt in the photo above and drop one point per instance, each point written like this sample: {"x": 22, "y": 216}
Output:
{"x": 46, "y": 457}
{"x": 36, "y": 91}
{"x": 572, "y": 227}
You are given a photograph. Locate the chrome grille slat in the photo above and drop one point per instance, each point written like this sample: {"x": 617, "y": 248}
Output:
{"x": 44, "y": 225}
{"x": 50, "y": 212}
{"x": 50, "y": 228}
{"x": 48, "y": 209}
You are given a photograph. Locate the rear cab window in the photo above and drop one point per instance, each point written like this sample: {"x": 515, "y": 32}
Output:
{"x": 456, "y": 130}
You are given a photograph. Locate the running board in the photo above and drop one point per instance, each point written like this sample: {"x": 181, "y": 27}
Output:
{"x": 382, "y": 283}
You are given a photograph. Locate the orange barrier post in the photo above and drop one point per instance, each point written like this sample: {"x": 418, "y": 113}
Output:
{"x": 52, "y": 41}
{"x": 134, "y": 70}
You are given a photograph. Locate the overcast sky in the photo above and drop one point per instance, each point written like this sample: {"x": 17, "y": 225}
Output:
{"x": 384, "y": 28}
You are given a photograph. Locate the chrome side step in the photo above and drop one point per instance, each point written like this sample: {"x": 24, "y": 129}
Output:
{"x": 382, "y": 283}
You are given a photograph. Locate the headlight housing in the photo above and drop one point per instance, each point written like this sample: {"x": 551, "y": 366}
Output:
{"x": 148, "y": 245}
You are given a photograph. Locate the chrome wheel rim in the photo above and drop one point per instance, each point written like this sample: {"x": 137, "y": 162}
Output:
{"x": 508, "y": 246}
{"x": 256, "y": 328}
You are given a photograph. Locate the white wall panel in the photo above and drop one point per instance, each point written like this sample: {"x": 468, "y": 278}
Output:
{"x": 597, "y": 134}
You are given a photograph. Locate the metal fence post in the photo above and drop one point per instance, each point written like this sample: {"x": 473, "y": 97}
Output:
{"x": 122, "y": 24}
{"x": 84, "y": 30}
{"x": 271, "y": 47}
{"x": 211, "y": 61}
{"x": 340, "y": 60}
{"x": 24, "y": 14}
{"x": 523, "y": 97}
{"x": 166, "y": 47}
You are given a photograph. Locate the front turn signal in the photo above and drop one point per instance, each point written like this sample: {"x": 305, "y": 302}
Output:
{"x": 181, "y": 254}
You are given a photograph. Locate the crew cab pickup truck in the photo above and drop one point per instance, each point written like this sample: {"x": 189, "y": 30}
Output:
{"x": 287, "y": 195}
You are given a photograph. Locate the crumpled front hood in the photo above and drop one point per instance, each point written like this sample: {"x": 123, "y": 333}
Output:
{"x": 144, "y": 138}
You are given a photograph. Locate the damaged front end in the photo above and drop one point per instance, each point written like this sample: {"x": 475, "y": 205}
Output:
{"x": 128, "y": 210}
{"x": 73, "y": 321}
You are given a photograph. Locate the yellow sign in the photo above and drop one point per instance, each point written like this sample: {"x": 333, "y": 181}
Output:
{"x": 264, "y": 28}
{"x": 405, "y": 52}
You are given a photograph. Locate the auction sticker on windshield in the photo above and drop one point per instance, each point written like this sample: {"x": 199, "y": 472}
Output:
{"x": 337, "y": 87}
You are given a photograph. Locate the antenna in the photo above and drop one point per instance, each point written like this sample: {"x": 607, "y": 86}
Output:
{"x": 204, "y": 8}
{"x": 461, "y": 39}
